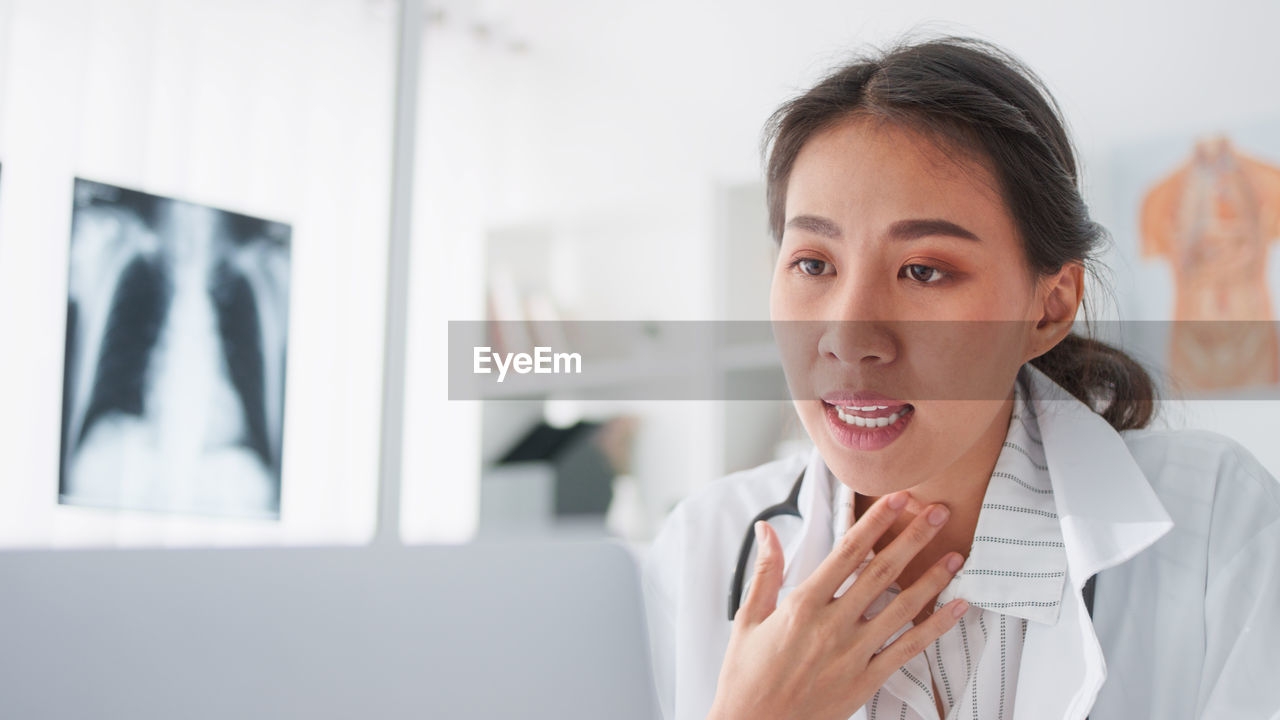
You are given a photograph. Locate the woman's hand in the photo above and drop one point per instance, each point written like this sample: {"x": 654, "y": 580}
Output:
{"x": 814, "y": 656}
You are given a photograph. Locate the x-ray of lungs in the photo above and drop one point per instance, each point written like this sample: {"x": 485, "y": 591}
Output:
{"x": 177, "y": 320}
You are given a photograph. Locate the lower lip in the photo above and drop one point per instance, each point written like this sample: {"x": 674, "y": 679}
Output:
{"x": 865, "y": 438}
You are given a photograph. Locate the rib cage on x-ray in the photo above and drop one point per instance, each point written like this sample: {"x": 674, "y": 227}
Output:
{"x": 176, "y": 328}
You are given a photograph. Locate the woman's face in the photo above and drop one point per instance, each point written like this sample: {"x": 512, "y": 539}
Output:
{"x": 900, "y": 273}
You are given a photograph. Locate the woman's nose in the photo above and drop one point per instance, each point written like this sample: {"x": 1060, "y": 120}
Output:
{"x": 858, "y": 325}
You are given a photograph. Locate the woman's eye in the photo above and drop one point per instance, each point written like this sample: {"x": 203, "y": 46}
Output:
{"x": 811, "y": 266}
{"x": 925, "y": 274}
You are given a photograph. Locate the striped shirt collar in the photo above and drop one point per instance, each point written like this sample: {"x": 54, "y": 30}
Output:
{"x": 1017, "y": 564}
{"x": 1106, "y": 508}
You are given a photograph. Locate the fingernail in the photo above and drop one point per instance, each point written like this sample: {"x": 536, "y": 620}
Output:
{"x": 898, "y": 501}
{"x": 938, "y": 515}
{"x": 954, "y": 562}
{"x": 960, "y": 608}
{"x": 760, "y": 532}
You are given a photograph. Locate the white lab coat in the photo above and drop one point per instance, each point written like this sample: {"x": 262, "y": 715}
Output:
{"x": 1183, "y": 526}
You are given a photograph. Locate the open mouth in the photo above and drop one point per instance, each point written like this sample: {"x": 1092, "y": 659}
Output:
{"x": 867, "y": 427}
{"x": 870, "y": 416}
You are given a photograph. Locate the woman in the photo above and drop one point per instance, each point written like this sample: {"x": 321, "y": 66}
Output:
{"x": 975, "y": 464}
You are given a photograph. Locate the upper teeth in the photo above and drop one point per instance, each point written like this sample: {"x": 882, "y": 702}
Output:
{"x": 846, "y": 414}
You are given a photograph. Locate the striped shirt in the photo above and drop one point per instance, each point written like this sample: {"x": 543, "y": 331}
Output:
{"x": 1015, "y": 574}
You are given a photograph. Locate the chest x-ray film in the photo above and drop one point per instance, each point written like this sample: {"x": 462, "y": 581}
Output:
{"x": 177, "y": 319}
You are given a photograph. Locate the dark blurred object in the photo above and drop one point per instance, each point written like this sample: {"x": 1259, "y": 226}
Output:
{"x": 583, "y": 472}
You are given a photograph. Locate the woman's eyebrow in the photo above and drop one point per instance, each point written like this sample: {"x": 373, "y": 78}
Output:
{"x": 912, "y": 229}
{"x": 900, "y": 230}
{"x": 816, "y": 224}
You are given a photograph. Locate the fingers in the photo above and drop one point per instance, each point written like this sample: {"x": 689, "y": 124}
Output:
{"x": 888, "y": 563}
{"x": 914, "y": 641}
{"x": 762, "y": 597}
{"x": 851, "y": 549}
{"x": 911, "y": 601}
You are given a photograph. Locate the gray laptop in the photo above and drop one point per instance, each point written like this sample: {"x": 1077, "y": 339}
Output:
{"x": 517, "y": 629}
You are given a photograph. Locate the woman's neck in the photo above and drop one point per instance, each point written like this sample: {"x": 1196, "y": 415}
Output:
{"x": 961, "y": 488}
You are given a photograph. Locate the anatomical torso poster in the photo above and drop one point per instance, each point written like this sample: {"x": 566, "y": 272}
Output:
{"x": 1196, "y": 225}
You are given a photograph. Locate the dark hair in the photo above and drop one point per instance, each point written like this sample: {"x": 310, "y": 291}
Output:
{"x": 972, "y": 96}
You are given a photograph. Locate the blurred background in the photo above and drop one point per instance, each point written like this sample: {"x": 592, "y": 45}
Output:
{"x": 221, "y": 343}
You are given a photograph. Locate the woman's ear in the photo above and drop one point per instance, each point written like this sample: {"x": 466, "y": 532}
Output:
{"x": 1058, "y": 299}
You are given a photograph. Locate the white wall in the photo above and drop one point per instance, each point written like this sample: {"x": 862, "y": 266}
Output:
{"x": 277, "y": 109}
{"x": 463, "y": 91}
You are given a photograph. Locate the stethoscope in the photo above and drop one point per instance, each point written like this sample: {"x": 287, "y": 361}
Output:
{"x": 791, "y": 506}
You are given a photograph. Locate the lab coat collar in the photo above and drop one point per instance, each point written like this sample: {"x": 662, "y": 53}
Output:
{"x": 1106, "y": 505}
{"x": 1109, "y": 513}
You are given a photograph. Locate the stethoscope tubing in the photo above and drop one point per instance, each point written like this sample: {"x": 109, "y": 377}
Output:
{"x": 789, "y": 506}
